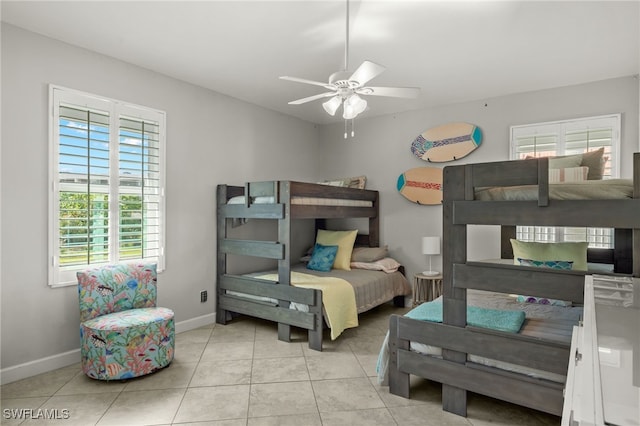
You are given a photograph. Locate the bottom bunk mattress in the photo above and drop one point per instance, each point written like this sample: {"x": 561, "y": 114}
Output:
{"x": 371, "y": 288}
{"x": 545, "y": 321}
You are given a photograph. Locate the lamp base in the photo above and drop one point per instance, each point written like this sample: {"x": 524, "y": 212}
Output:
{"x": 430, "y": 273}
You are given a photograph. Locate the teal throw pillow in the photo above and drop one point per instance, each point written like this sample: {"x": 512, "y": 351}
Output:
{"x": 322, "y": 258}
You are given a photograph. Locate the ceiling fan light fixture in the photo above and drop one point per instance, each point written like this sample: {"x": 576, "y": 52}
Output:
{"x": 332, "y": 105}
{"x": 359, "y": 104}
{"x": 353, "y": 106}
{"x": 349, "y": 113}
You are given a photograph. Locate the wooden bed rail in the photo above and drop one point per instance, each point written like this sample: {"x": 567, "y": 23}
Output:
{"x": 515, "y": 279}
{"x": 508, "y": 173}
{"x": 544, "y": 355}
{"x": 306, "y": 189}
{"x": 513, "y": 387}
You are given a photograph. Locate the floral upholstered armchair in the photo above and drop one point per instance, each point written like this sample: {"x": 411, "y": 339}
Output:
{"x": 122, "y": 332}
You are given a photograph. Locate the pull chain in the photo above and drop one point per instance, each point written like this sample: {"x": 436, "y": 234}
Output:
{"x": 346, "y": 129}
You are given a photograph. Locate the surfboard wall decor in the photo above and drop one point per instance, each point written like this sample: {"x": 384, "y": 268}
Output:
{"x": 421, "y": 185}
{"x": 448, "y": 142}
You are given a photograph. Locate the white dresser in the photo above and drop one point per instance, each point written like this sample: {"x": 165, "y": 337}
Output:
{"x": 603, "y": 381}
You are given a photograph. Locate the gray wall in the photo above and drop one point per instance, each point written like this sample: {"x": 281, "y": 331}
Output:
{"x": 211, "y": 139}
{"x": 214, "y": 139}
{"x": 381, "y": 150}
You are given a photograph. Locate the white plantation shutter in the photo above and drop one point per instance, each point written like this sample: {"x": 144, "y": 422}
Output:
{"x": 139, "y": 189}
{"x": 107, "y": 201}
{"x": 534, "y": 141}
{"x": 567, "y": 138}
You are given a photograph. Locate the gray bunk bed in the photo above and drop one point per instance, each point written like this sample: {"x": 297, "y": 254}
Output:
{"x": 542, "y": 351}
{"x": 280, "y": 201}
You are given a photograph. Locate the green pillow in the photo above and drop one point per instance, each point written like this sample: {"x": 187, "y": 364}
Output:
{"x": 571, "y": 252}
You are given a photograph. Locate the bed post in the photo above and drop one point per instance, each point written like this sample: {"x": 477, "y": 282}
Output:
{"x": 284, "y": 263}
{"x": 636, "y": 231}
{"x": 457, "y": 186}
{"x": 221, "y": 258}
{"x": 506, "y": 234}
{"x": 374, "y": 224}
{"x": 398, "y": 380}
{"x": 315, "y": 334}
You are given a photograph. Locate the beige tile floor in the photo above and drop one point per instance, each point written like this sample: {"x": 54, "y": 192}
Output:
{"x": 240, "y": 374}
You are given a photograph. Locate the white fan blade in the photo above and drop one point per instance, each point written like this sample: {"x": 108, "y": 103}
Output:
{"x": 312, "y": 98}
{"x": 394, "y": 92}
{"x": 305, "y": 81}
{"x": 366, "y": 71}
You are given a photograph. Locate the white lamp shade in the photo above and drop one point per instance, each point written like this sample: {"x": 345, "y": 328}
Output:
{"x": 332, "y": 105}
{"x": 431, "y": 245}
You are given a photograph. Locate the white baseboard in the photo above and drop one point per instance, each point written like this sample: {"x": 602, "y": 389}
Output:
{"x": 53, "y": 362}
{"x": 39, "y": 366}
{"x": 197, "y": 322}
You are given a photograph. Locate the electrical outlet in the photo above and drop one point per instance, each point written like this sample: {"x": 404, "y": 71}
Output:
{"x": 203, "y": 296}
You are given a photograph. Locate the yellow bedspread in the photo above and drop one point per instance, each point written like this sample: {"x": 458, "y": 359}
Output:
{"x": 338, "y": 299}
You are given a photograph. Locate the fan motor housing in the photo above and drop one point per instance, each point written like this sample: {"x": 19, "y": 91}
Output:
{"x": 341, "y": 80}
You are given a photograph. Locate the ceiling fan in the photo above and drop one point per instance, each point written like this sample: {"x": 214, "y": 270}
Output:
{"x": 345, "y": 88}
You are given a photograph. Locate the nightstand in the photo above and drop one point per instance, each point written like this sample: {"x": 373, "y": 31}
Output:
{"x": 426, "y": 288}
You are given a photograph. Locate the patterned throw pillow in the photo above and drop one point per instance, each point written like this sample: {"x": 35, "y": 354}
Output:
{"x": 551, "y": 264}
{"x": 322, "y": 258}
{"x": 571, "y": 251}
{"x": 566, "y": 265}
{"x": 542, "y": 301}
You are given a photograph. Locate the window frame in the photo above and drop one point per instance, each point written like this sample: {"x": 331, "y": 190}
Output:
{"x": 560, "y": 128}
{"x": 62, "y": 276}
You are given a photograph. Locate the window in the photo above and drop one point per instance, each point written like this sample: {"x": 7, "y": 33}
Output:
{"x": 566, "y": 138}
{"x": 107, "y": 183}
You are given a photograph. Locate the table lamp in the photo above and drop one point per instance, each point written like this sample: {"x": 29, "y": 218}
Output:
{"x": 430, "y": 247}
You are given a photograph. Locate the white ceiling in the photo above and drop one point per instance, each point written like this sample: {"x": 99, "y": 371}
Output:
{"x": 454, "y": 51}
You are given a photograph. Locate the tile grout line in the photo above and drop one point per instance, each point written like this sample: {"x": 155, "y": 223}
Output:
{"x": 173, "y": 419}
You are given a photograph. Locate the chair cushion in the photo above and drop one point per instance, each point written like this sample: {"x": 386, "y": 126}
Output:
{"x": 131, "y": 318}
{"x": 127, "y": 344}
{"x": 115, "y": 288}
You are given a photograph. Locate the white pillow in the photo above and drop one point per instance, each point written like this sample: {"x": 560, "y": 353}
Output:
{"x": 387, "y": 265}
{"x": 569, "y": 174}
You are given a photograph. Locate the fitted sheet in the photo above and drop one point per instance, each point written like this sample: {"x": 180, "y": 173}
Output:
{"x": 372, "y": 288}
{"x": 606, "y": 189}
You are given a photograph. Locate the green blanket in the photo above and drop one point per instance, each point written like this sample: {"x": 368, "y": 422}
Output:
{"x": 509, "y": 321}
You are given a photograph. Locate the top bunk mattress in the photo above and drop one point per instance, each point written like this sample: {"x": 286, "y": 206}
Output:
{"x": 307, "y": 201}
{"x": 607, "y": 189}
